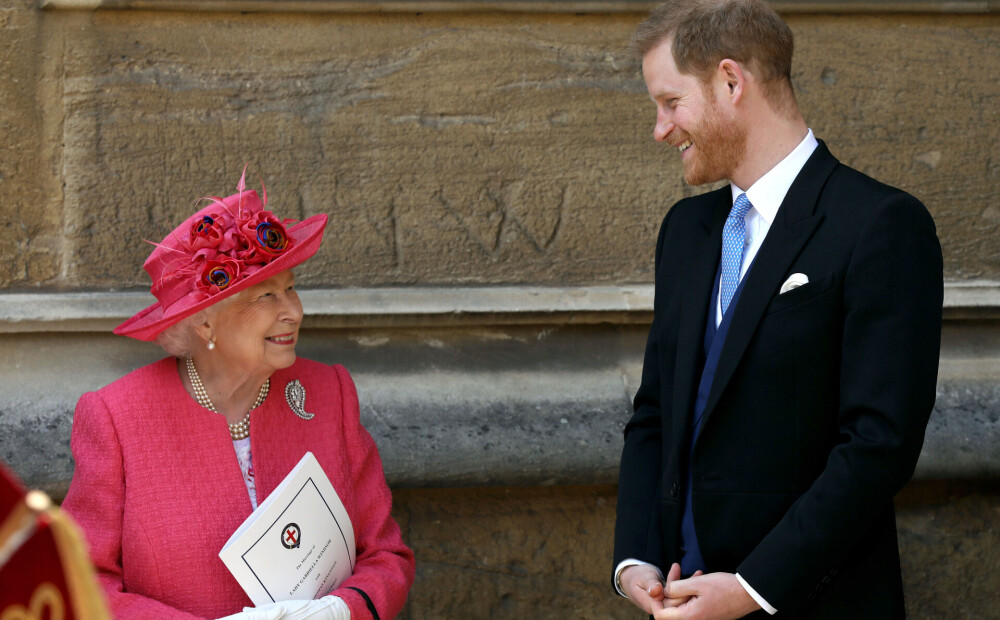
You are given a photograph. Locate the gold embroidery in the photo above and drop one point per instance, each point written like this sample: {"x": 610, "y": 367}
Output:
{"x": 45, "y": 596}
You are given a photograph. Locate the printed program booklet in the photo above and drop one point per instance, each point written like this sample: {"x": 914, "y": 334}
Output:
{"x": 298, "y": 544}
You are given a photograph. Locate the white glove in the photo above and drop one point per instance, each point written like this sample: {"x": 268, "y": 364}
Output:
{"x": 327, "y": 608}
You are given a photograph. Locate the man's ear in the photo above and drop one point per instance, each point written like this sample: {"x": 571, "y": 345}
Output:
{"x": 731, "y": 79}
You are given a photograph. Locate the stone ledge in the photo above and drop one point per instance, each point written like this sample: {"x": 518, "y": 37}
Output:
{"x": 518, "y": 6}
{"x": 422, "y": 306}
{"x": 512, "y": 429}
{"x": 539, "y": 400}
{"x": 514, "y": 440}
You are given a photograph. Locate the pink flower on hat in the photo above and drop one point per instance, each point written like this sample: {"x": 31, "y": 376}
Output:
{"x": 266, "y": 237}
{"x": 211, "y": 234}
{"x": 207, "y": 231}
{"x": 218, "y": 274}
{"x": 230, "y": 247}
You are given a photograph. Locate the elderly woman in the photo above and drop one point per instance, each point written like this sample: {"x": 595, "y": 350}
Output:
{"x": 173, "y": 457}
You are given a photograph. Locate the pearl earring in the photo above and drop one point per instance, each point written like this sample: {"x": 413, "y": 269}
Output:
{"x": 211, "y": 344}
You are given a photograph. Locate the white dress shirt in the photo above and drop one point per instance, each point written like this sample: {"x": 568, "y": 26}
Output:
{"x": 766, "y": 195}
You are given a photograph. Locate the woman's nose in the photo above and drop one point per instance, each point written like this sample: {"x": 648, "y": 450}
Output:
{"x": 292, "y": 308}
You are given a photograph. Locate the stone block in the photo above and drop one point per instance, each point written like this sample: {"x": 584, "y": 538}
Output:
{"x": 30, "y": 246}
{"x": 950, "y": 548}
{"x": 495, "y": 554}
{"x": 449, "y": 148}
{"x": 545, "y": 552}
{"x": 860, "y": 81}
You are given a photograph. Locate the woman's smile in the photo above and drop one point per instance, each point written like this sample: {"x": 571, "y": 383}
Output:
{"x": 282, "y": 339}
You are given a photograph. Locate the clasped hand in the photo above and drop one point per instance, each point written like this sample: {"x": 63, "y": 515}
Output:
{"x": 715, "y": 596}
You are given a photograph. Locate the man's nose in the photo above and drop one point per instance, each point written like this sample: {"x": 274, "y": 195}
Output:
{"x": 663, "y": 127}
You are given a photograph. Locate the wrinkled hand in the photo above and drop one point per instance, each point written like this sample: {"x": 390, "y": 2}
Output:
{"x": 644, "y": 586}
{"x": 715, "y": 596}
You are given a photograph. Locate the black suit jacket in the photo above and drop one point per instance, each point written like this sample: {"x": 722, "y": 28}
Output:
{"x": 817, "y": 412}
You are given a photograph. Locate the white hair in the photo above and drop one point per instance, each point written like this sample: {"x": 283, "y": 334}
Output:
{"x": 181, "y": 339}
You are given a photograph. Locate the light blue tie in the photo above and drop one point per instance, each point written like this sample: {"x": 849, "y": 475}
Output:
{"x": 733, "y": 234}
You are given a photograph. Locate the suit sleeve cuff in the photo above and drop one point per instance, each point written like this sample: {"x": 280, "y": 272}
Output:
{"x": 625, "y": 564}
{"x": 753, "y": 594}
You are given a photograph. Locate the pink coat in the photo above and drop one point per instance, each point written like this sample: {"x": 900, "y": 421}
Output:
{"x": 158, "y": 490}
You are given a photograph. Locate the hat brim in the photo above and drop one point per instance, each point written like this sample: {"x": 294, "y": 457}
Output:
{"x": 147, "y": 324}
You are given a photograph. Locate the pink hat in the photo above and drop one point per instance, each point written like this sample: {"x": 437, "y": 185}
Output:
{"x": 224, "y": 248}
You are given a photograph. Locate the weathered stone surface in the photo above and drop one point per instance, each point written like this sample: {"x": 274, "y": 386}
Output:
{"x": 963, "y": 434}
{"x": 496, "y": 554}
{"x": 30, "y": 243}
{"x": 950, "y": 549}
{"x": 968, "y": 304}
{"x": 505, "y": 405}
{"x": 898, "y": 98}
{"x": 449, "y": 148}
{"x": 501, "y": 406}
{"x": 546, "y": 552}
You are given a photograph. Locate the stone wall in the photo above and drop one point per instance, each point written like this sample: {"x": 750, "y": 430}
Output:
{"x": 449, "y": 148}
{"x": 494, "y": 197}
{"x": 543, "y": 552}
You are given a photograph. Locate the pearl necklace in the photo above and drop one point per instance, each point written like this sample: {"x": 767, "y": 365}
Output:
{"x": 237, "y": 430}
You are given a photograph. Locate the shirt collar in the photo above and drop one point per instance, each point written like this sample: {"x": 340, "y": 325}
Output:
{"x": 767, "y": 194}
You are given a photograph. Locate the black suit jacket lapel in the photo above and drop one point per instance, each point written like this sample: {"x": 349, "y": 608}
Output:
{"x": 793, "y": 225}
{"x": 695, "y": 284}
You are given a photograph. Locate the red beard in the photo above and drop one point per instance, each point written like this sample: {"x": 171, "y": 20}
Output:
{"x": 719, "y": 145}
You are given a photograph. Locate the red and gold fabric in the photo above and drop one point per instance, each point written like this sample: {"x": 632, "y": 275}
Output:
{"x": 45, "y": 573}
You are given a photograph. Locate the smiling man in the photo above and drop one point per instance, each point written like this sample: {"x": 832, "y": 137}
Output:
{"x": 792, "y": 361}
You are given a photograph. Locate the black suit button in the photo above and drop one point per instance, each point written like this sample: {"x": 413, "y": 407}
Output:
{"x": 675, "y": 490}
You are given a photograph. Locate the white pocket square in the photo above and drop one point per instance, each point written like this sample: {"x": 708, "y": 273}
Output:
{"x": 794, "y": 281}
